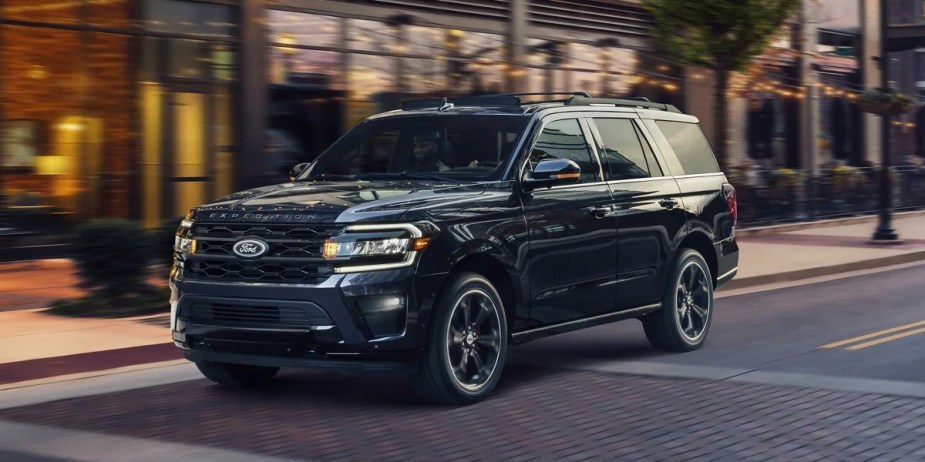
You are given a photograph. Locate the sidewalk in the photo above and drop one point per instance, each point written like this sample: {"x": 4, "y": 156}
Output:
{"x": 768, "y": 257}
{"x": 35, "y": 346}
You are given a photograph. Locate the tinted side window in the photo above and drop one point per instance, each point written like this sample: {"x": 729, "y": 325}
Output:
{"x": 690, "y": 145}
{"x": 625, "y": 153}
{"x": 563, "y": 139}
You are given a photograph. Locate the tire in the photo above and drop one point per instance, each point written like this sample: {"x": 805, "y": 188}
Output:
{"x": 236, "y": 375}
{"x": 466, "y": 345}
{"x": 683, "y": 322}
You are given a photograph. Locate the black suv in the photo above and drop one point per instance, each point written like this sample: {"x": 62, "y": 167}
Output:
{"x": 429, "y": 239}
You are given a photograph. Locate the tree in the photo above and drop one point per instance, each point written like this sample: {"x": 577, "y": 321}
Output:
{"x": 720, "y": 35}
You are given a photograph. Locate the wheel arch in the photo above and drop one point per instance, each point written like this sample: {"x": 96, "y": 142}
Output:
{"x": 700, "y": 242}
{"x": 491, "y": 268}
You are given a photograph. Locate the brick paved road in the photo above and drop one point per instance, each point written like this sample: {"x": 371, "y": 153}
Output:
{"x": 537, "y": 414}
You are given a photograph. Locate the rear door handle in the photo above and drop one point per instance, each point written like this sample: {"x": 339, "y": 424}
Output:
{"x": 668, "y": 203}
{"x": 601, "y": 212}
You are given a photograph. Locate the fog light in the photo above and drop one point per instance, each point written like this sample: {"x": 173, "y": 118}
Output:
{"x": 381, "y": 304}
{"x": 384, "y": 314}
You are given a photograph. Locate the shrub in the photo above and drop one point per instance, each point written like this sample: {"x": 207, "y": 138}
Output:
{"x": 112, "y": 258}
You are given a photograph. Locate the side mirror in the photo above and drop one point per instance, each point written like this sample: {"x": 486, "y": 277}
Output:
{"x": 297, "y": 170}
{"x": 552, "y": 172}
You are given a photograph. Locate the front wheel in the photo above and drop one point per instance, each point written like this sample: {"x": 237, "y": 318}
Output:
{"x": 236, "y": 375}
{"x": 467, "y": 344}
{"x": 687, "y": 306}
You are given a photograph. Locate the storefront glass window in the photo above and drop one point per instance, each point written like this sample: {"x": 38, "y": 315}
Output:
{"x": 65, "y": 133}
{"x": 42, "y": 111}
{"x": 204, "y": 20}
{"x": 292, "y": 28}
{"x": 363, "y": 35}
{"x": 484, "y": 54}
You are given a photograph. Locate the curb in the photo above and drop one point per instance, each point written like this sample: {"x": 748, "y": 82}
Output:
{"x": 797, "y": 275}
{"x": 90, "y": 374}
{"x": 784, "y": 228}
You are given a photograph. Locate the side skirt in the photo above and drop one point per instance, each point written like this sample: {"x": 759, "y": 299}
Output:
{"x": 568, "y": 326}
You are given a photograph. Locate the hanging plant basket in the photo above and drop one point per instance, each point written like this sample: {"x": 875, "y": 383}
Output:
{"x": 885, "y": 102}
{"x": 875, "y": 107}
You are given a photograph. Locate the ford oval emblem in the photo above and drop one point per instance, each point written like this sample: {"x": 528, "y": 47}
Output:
{"x": 250, "y": 248}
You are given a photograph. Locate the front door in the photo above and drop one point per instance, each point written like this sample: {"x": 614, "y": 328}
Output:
{"x": 648, "y": 209}
{"x": 187, "y": 130}
{"x": 572, "y": 253}
{"x": 186, "y": 113}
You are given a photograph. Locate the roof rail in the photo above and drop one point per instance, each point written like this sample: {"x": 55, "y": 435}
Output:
{"x": 622, "y": 102}
{"x": 560, "y": 93}
{"x": 477, "y": 101}
{"x": 554, "y": 93}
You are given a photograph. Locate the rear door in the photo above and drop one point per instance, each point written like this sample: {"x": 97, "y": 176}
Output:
{"x": 572, "y": 254}
{"x": 648, "y": 208}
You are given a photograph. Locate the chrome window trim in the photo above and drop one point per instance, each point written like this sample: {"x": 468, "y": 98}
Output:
{"x": 699, "y": 175}
{"x": 556, "y": 116}
{"x": 641, "y": 135}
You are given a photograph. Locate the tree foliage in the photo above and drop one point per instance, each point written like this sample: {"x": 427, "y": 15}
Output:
{"x": 722, "y": 35}
{"x": 718, "y": 34}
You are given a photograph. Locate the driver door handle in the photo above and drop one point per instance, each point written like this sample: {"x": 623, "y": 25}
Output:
{"x": 668, "y": 203}
{"x": 601, "y": 212}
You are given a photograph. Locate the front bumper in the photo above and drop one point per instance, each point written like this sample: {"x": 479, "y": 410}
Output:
{"x": 327, "y": 325}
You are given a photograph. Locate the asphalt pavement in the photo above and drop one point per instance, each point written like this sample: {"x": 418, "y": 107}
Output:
{"x": 782, "y": 330}
{"x": 822, "y": 371}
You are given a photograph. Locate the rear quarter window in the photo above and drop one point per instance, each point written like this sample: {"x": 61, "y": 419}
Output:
{"x": 690, "y": 145}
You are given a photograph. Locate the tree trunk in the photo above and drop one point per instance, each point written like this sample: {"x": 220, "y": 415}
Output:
{"x": 721, "y": 117}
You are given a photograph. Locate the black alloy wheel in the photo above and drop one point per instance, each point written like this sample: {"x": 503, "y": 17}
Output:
{"x": 467, "y": 345}
{"x": 684, "y": 319}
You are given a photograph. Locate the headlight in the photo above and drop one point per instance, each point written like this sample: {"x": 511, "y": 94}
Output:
{"x": 184, "y": 245}
{"x": 375, "y": 247}
{"x": 372, "y": 248}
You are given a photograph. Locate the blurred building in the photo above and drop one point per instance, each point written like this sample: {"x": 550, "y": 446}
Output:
{"x": 778, "y": 108}
{"x": 907, "y": 75}
{"x": 143, "y": 108}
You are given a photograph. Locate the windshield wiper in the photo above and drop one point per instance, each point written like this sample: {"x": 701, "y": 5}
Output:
{"x": 331, "y": 176}
{"x": 406, "y": 176}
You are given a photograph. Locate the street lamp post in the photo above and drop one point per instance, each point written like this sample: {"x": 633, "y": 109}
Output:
{"x": 885, "y": 233}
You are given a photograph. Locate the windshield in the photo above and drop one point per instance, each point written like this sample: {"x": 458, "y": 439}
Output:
{"x": 458, "y": 147}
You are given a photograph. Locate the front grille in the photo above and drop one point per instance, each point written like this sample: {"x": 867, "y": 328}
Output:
{"x": 304, "y": 272}
{"x": 256, "y": 315}
{"x": 294, "y": 254}
{"x": 277, "y": 249}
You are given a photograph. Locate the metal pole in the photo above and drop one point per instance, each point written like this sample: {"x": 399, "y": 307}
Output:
{"x": 885, "y": 232}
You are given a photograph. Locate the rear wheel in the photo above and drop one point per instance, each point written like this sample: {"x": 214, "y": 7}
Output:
{"x": 236, "y": 375}
{"x": 467, "y": 344}
{"x": 684, "y": 320}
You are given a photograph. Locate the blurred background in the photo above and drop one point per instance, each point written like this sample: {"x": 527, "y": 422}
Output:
{"x": 140, "y": 109}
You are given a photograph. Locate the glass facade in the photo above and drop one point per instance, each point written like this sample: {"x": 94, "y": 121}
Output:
{"x": 370, "y": 65}
{"x": 128, "y": 115}
{"x": 127, "y": 108}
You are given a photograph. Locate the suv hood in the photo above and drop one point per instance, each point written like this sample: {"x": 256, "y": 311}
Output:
{"x": 334, "y": 201}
